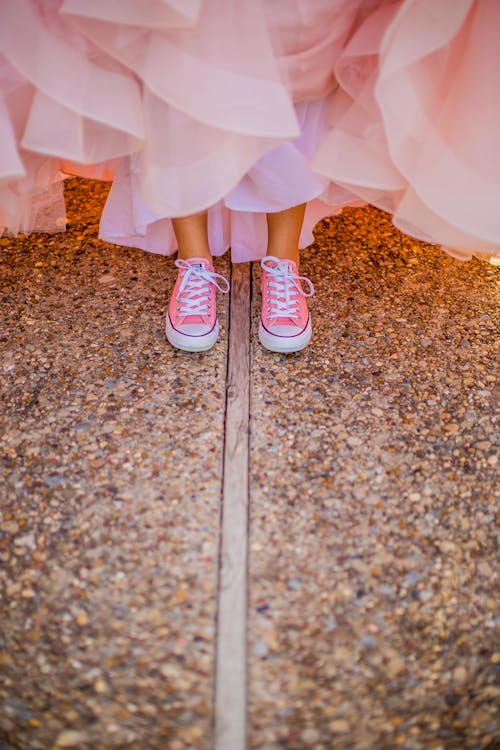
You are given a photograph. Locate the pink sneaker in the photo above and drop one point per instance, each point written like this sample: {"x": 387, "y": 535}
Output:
{"x": 285, "y": 323}
{"x": 192, "y": 323}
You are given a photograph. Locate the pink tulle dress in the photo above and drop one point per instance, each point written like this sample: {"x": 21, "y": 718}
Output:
{"x": 244, "y": 107}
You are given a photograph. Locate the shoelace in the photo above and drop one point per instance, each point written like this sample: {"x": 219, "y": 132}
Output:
{"x": 194, "y": 290}
{"x": 284, "y": 288}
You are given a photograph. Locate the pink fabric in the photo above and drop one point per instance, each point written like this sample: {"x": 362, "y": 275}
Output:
{"x": 416, "y": 132}
{"x": 243, "y": 107}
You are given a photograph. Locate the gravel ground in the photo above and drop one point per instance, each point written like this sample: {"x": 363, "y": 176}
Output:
{"x": 109, "y": 519}
{"x": 373, "y": 620}
{"x": 372, "y": 613}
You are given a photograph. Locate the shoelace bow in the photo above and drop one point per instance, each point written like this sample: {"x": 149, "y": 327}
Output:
{"x": 194, "y": 290}
{"x": 284, "y": 288}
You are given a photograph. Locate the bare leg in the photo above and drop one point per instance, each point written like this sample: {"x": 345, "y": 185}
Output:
{"x": 284, "y": 229}
{"x": 192, "y": 236}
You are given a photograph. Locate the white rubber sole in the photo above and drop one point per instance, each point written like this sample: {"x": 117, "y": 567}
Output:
{"x": 191, "y": 343}
{"x": 285, "y": 344}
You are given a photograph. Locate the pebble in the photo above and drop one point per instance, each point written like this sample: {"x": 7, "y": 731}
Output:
{"x": 9, "y": 527}
{"x": 485, "y": 569}
{"x": 71, "y": 738}
{"x": 339, "y": 726}
{"x": 100, "y": 686}
{"x": 54, "y": 480}
{"x": 353, "y": 441}
{"x": 27, "y": 540}
{"x": 260, "y": 649}
{"x": 425, "y": 595}
{"x": 310, "y": 736}
{"x": 459, "y": 674}
{"x": 395, "y": 667}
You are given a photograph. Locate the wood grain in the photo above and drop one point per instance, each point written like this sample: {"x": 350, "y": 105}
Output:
{"x": 231, "y": 667}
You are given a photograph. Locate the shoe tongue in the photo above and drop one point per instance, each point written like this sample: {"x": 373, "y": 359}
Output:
{"x": 197, "y": 319}
{"x": 289, "y": 264}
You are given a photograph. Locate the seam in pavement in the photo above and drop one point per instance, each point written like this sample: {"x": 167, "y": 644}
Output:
{"x": 230, "y": 681}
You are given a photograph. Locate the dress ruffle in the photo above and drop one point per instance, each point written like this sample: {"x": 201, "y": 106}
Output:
{"x": 247, "y": 107}
{"x": 416, "y": 128}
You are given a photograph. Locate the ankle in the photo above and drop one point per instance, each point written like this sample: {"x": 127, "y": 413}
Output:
{"x": 284, "y": 254}
{"x": 189, "y": 254}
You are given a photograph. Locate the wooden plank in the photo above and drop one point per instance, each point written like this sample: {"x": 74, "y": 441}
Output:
{"x": 231, "y": 666}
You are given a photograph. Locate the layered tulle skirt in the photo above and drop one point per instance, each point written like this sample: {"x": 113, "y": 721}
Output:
{"x": 244, "y": 107}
